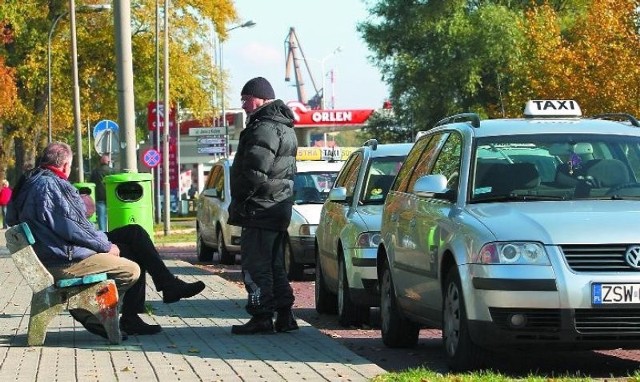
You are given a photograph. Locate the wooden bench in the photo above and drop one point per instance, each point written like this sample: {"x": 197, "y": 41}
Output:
{"x": 93, "y": 293}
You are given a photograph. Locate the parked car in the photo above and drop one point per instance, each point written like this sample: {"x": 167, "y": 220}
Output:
{"x": 348, "y": 233}
{"x": 479, "y": 240}
{"x": 311, "y": 187}
{"x": 214, "y": 234}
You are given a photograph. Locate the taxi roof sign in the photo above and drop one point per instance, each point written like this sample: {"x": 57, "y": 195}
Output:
{"x": 552, "y": 108}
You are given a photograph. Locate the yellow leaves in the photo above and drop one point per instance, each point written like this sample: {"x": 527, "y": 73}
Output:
{"x": 8, "y": 90}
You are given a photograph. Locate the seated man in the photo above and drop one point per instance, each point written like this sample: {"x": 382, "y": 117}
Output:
{"x": 69, "y": 245}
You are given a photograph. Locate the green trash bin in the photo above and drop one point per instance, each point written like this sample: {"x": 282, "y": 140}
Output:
{"x": 130, "y": 200}
{"x": 89, "y": 189}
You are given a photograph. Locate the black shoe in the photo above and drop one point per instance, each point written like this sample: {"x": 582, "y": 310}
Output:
{"x": 178, "y": 289}
{"x": 83, "y": 317}
{"x": 133, "y": 325}
{"x": 256, "y": 325}
{"x": 286, "y": 321}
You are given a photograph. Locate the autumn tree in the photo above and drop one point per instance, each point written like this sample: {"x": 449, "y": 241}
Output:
{"x": 192, "y": 81}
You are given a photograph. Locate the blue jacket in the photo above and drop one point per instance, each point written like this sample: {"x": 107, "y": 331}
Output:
{"x": 56, "y": 215}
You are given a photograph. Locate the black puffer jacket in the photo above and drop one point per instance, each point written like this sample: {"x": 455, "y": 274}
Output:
{"x": 263, "y": 170}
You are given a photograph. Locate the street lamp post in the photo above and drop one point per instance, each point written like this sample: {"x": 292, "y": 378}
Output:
{"x": 81, "y": 9}
{"x": 324, "y": 75}
{"x": 248, "y": 24}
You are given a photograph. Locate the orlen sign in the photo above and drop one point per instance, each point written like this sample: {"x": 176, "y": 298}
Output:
{"x": 306, "y": 117}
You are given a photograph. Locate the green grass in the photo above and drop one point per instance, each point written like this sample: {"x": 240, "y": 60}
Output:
{"x": 172, "y": 238}
{"x": 423, "y": 375}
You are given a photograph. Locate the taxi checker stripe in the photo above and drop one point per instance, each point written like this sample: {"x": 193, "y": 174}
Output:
{"x": 633, "y": 257}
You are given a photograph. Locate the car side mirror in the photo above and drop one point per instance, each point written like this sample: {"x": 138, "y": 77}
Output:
{"x": 431, "y": 186}
{"x": 338, "y": 194}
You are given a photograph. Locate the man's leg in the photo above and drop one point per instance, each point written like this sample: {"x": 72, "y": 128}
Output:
{"x": 124, "y": 272}
{"x": 101, "y": 211}
{"x": 258, "y": 280}
{"x": 135, "y": 244}
{"x": 282, "y": 291}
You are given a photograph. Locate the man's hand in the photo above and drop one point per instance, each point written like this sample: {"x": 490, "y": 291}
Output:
{"x": 115, "y": 251}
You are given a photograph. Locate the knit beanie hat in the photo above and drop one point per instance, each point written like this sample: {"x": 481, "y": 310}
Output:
{"x": 258, "y": 87}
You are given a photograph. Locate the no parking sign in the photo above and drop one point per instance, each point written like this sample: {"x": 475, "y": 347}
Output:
{"x": 151, "y": 158}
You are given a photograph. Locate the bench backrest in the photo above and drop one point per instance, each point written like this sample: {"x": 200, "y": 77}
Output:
{"x": 19, "y": 241}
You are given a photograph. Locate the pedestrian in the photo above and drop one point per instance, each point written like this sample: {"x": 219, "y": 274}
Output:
{"x": 261, "y": 202}
{"x": 5, "y": 197}
{"x": 97, "y": 177}
{"x": 69, "y": 245}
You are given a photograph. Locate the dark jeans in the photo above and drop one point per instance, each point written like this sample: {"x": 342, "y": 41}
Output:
{"x": 136, "y": 245}
{"x": 263, "y": 272}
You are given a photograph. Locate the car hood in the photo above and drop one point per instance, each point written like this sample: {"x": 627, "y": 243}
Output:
{"x": 570, "y": 222}
{"x": 310, "y": 212}
{"x": 370, "y": 216}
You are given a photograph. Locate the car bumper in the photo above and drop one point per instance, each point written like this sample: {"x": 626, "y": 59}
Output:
{"x": 233, "y": 241}
{"x": 363, "y": 276}
{"x": 546, "y": 305}
{"x": 303, "y": 249}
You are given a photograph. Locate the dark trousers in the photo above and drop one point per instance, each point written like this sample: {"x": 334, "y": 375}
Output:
{"x": 263, "y": 272}
{"x": 136, "y": 245}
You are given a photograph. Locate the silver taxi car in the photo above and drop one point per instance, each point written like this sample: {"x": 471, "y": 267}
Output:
{"x": 480, "y": 240}
{"x": 214, "y": 235}
{"x": 349, "y": 231}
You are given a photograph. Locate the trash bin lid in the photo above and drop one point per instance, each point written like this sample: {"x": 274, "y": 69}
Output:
{"x": 128, "y": 177}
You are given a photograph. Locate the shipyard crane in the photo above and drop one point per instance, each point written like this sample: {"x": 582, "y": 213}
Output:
{"x": 294, "y": 58}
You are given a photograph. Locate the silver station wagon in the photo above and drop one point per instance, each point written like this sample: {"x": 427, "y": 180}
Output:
{"x": 515, "y": 233}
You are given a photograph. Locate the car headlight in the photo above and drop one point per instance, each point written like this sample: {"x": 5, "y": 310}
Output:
{"x": 517, "y": 252}
{"x": 368, "y": 240}
{"x": 308, "y": 229}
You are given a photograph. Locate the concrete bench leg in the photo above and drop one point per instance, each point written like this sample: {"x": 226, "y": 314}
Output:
{"x": 45, "y": 305}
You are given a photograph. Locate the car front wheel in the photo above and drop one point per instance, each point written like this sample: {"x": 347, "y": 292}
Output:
{"x": 397, "y": 331}
{"x": 349, "y": 313}
{"x": 205, "y": 253}
{"x": 226, "y": 257}
{"x": 462, "y": 353}
{"x": 326, "y": 302}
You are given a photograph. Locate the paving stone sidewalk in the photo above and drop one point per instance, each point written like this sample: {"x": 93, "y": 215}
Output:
{"x": 195, "y": 345}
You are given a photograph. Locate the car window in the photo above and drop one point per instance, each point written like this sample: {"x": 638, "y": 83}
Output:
{"x": 312, "y": 187}
{"x": 556, "y": 166}
{"x": 349, "y": 176}
{"x": 219, "y": 183}
{"x": 448, "y": 161}
{"x": 379, "y": 177}
{"x": 214, "y": 174}
{"x": 409, "y": 164}
{"x": 426, "y": 158}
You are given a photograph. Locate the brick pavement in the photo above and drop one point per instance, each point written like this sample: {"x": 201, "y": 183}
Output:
{"x": 195, "y": 345}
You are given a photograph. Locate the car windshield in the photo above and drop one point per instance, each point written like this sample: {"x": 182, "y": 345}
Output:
{"x": 313, "y": 187}
{"x": 379, "y": 177}
{"x": 555, "y": 167}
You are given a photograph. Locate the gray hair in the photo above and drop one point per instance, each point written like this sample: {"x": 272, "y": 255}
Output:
{"x": 56, "y": 154}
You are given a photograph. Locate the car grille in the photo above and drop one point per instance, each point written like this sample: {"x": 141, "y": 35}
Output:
{"x": 597, "y": 258}
{"x": 608, "y": 321}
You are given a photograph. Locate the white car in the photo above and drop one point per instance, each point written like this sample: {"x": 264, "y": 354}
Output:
{"x": 312, "y": 183}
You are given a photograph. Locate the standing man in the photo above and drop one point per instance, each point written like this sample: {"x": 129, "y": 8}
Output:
{"x": 261, "y": 201}
{"x": 97, "y": 176}
{"x": 69, "y": 246}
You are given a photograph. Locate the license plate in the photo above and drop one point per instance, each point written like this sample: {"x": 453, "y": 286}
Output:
{"x": 602, "y": 294}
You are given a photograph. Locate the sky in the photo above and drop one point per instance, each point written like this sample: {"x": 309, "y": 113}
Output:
{"x": 321, "y": 28}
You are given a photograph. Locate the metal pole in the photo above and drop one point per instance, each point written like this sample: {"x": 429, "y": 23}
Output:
{"x": 49, "y": 102}
{"x": 77, "y": 122}
{"x": 157, "y": 131}
{"x": 167, "y": 111}
{"x": 224, "y": 111}
{"x": 124, "y": 74}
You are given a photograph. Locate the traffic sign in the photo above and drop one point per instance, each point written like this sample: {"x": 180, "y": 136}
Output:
{"x": 211, "y": 141}
{"x": 211, "y": 150}
{"x": 151, "y": 158}
{"x": 105, "y": 124}
{"x": 106, "y": 142}
{"x": 199, "y": 131}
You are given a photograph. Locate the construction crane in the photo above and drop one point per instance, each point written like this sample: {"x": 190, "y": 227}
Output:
{"x": 294, "y": 58}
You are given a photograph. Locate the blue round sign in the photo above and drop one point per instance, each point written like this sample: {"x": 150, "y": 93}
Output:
{"x": 105, "y": 124}
{"x": 151, "y": 158}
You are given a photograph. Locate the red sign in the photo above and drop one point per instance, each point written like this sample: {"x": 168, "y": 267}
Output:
{"x": 151, "y": 158}
{"x": 155, "y": 111}
{"x": 306, "y": 117}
